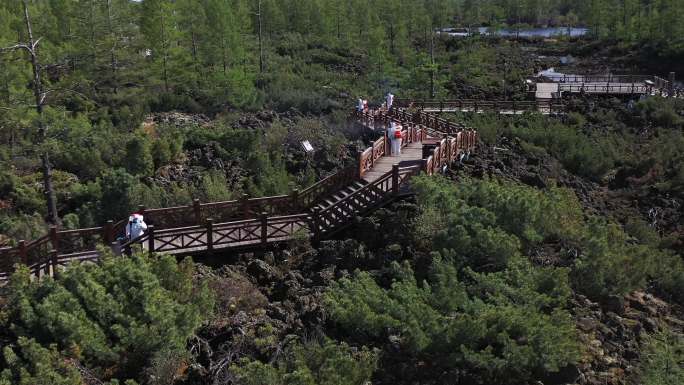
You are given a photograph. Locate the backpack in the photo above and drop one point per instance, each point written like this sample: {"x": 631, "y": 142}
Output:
{"x": 397, "y": 134}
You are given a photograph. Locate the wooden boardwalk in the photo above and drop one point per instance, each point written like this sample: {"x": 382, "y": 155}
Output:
{"x": 547, "y": 91}
{"x": 503, "y": 107}
{"x": 552, "y": 87}
{"x": 410, "y": 155}
{"x": 429, "y": 144}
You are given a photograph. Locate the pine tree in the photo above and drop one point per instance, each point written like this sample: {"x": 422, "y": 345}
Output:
{"x": 156, "y": 23}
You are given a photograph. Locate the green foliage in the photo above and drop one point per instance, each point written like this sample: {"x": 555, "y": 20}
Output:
{"x": 583, "y": 155}
{"x": 589, "y": 155}
{"x": 138, "y": 159}
{"x": 114, "y": 317}
{"x": 665, "y": 155}
{"x": 23, "y": 197}
{"x": 29, "y": 363}
{"x": 662, "y": 361}
{"x": 313, "y": 363}
{"x": 117, "y": 186}
{"x": 214, "y": 188}
{"x": 23, "y": 226}
{"x": 161, "y": 153}
{"x": 484, "y": 223}
{"x": 610, "y": 265}
{"x": 509, "y": 326}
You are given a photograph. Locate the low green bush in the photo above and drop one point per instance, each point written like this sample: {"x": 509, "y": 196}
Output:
{"x": 113, "y": 318}
{"x": 507, "y": 327}
{"x": 484, "y": 224}
{"x": 662, "y": 359}
{"x": 313, "y": 363}
{"x": 487, "y": 222}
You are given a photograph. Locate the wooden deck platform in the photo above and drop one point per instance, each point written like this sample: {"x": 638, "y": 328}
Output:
{"x": 548, "y": 91}
{"x": 541, "y": 110}
{"x": 409, "y": 156}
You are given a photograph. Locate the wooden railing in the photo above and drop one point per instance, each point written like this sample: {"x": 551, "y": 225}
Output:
{"x": 617, "y": 84}
{"x": 337, "y": 216}
{"x": 214, "y": 236}
{"x": 71, "y": 241}
{"x": 257, "y": 222}
{"x": 510, "y": 106}
{"x": 605, "y": 79}
{"x": 607, "y": 88}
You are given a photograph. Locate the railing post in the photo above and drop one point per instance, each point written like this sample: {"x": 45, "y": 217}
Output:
{"x": 424, "y": 163}
{"x": 54, "y": 238}
{"x": 197, "y": 210}
{"x": 359, "y": 163}
{"x": 54, "y": 262}
{"x": 210, "y": 234}
{"x": 264, "y": 227}
{"x": 296, "y": 204}
{"x": 244, "y": 204}
{"x": 150, "y": 240}
{"x": 316, "y": 221}
{"x": 116, "y": 248}
{"x": 108, "y": 231}
{"x": 670, "y": 91}
{"x": 23, "y": 252}
{"x": 395, "y": 179}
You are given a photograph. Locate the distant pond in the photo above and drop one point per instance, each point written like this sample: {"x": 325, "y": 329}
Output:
{"x": 522, "y": 32}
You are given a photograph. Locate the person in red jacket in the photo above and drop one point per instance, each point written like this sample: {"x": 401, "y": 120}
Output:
{"x": 394, "y": 135}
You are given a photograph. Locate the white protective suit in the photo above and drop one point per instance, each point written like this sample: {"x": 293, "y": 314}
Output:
{"x": 136, "y": 226}
{"x": 389, "y": 100}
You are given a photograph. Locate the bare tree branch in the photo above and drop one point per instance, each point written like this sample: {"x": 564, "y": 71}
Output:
{"x": 15, "y": 47}
{"x": 35, "y": 43}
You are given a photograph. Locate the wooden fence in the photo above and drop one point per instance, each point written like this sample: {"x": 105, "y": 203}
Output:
{"x": 500, "y": 106}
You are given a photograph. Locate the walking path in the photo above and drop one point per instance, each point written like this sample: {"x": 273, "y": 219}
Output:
{"x": 375, "y": 179}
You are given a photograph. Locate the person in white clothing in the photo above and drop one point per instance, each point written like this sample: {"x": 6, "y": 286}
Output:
{"x": 359, "y": 105}
{"x": 389, "y": 100}
{"x": 394, "y": 135}
{"x": 136, "y": 226}
{"x": 397, "y": 140}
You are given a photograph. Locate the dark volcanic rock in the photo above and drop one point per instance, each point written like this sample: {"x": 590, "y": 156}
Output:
{"x": 615, "y": 304}
{"x": 262, "y": 271}
{"x": 533, "y": 180}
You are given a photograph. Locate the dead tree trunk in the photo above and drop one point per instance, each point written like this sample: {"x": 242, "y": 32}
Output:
{"x": 165, "y": 53}
{"x": 432, "y": 63}
{"x": 112, "y": 52}
{"x": 39, "y": 96}
{"x": 261, "y": 48}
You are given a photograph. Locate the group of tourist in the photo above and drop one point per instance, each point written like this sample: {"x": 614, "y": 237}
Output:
{"x": 393, "y": 129}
